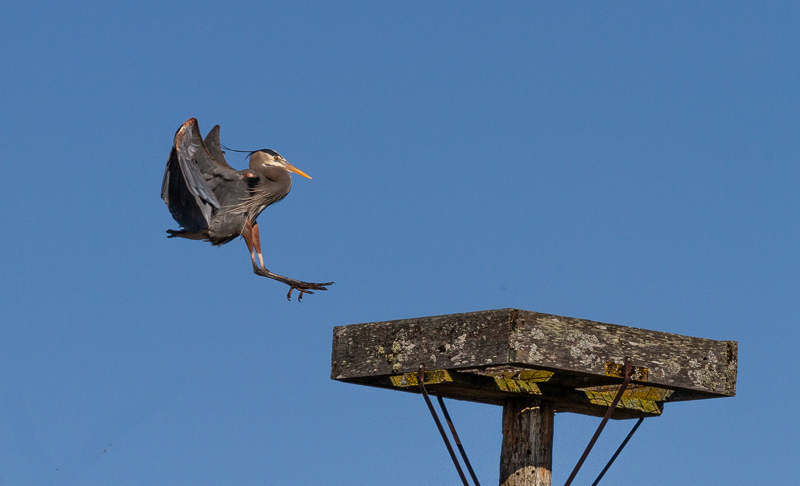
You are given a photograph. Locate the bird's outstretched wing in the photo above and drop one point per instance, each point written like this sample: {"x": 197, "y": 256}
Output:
{"x": 190, "y": 177}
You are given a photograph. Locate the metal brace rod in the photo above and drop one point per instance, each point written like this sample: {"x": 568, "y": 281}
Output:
{"x": 458, "y": 441}
{"x": 603, "y": 422}
{"x": 621, "y": 446}
{"x": 439, "y": 425}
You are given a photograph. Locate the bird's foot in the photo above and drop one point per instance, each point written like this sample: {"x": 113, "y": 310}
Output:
{"x": 299, "y": 285}
{"x": 305, "y": 288}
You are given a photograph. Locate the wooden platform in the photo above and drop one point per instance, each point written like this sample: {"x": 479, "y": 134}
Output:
{"x": 491, "y": 356}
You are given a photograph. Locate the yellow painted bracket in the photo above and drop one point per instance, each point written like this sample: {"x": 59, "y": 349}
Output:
{"x": 523, "y": 381}
{"x": 638, "y": 373}
{"x": 432, "y": 377}
{"x": 512, "y": 381}
{"x": 635, "y": 397}
{"x": 517, "y": 386}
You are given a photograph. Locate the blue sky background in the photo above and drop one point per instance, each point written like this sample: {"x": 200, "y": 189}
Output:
{"x": 633, "y": 163}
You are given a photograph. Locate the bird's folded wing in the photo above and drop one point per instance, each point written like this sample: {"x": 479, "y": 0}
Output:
{"x": 190, "y": 145}
{"x": 184, "y": 189}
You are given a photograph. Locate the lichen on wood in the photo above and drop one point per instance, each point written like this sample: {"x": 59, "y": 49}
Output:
{"x": 541, "y": 341}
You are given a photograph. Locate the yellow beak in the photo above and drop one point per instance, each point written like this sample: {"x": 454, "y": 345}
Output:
{"x": 294, "y": 169}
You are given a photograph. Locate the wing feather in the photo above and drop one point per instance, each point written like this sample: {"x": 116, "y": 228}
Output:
{"x": 185, "y": 189}
{"x": 212, "y": 144}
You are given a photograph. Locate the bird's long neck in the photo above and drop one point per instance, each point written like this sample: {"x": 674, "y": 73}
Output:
{"x": 273, "y": 184}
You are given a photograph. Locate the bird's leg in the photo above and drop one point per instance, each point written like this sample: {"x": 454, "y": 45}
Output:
{"x": 257, "y": 245}
{"x": 247, "y": 234}
{"x": 253, "y": 241}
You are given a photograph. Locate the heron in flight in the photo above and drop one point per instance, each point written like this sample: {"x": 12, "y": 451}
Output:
{"x": 214, "y": 202}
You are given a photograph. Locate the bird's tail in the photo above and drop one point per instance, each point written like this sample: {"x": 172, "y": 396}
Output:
{"x": 200, "y": 235}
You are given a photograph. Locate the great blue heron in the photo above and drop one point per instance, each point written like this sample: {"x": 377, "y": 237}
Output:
{"x": 214, "y": 202}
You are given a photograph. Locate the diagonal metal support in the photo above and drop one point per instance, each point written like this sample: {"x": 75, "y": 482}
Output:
{"x": 621, "y": 446}
{"x": 602, "y": 422}
{"x": 439, "y": 425}
{"x": 458, "y": 441}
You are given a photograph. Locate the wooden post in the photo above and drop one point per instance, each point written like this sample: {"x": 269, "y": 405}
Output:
{"x": 526, "y": 458}
{"x": 535, "y": 364}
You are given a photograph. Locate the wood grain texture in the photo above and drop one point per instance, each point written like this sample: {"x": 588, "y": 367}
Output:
{"x": 441, "y": 342}
{"x": 526, "y": 457}
{"x": 579, "y": 351}
{"x": 587, "y": 346}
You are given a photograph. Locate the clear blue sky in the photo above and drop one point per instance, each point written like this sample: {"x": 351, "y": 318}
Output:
{"x": 633, "y": 163}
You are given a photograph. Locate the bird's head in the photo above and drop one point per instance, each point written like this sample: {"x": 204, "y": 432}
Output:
{"x": 265, "y": 158}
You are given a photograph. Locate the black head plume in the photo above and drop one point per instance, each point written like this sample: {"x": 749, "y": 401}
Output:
{"x": 251, "y": 152}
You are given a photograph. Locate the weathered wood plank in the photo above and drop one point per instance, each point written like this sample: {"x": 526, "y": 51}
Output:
{"x": 450, "y": 342}
{"x": 580, "y": 352}
{"x": 587, "y": 346}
